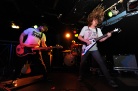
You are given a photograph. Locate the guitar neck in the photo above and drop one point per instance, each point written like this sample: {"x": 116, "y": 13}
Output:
{"x": 105, "y": 35}
{"x": 46, "y": 48}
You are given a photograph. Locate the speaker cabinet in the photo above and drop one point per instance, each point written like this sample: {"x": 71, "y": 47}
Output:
{"x": 125, "y": 61}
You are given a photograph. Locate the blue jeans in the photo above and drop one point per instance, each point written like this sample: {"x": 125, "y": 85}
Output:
{"x": 98, "y": 58}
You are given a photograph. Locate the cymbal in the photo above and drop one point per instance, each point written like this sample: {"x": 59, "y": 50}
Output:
{"x": 78, "y": 44}
{"x": 66, "y": 51}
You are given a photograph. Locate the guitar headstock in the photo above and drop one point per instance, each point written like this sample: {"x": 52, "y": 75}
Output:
{"x": 117, "y": 30}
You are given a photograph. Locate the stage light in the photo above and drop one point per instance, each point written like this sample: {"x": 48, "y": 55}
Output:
{"x": 113, "y": 12}
{"x": 13, "y": 25}
{"x": 67, "y": 35}
{"x": 132, "y": 6}
{"x": 74, "y": 31}
{"x": 76, "y": 35}
{"x": 35, "y": 26}
{"x": 110, "y": 14}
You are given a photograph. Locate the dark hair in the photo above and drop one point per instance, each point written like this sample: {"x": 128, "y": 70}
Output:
{"x": 45, "y": 26}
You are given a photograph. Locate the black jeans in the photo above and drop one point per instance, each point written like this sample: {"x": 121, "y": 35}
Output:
{"x": 22, "y": 60}
{"x": 97, "y": 56}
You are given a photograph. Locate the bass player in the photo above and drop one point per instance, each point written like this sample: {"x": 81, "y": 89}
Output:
{"x": 35, "y": 38}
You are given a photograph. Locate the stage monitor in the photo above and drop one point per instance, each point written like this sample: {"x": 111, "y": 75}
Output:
{"x": 125, "y": 61}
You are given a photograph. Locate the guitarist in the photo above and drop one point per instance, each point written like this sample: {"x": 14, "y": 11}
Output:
{"x": 86, "y": 34}
{"x": 35, "y": 38}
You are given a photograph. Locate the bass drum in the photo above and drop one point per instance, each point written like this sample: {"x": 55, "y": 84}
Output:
{"x": 69, "y": 60}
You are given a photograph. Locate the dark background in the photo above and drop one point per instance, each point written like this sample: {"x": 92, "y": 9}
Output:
{"x": 27, "y": 13}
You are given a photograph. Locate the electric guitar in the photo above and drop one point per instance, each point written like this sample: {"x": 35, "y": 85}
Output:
{"x": 23, "y": 51}
{"x": 93, "y": 41}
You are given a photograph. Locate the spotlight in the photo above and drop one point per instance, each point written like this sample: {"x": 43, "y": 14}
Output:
{"x": 112, "y": 12}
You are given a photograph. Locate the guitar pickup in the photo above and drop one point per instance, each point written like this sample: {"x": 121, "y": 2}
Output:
{"x": 93, "y": 41}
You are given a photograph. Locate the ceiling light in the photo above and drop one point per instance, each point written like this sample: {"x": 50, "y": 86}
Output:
{"x": 13, "y": 25}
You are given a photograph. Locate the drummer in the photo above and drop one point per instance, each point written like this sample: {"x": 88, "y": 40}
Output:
{"x": 74, "y": 48}
{"x": 73, "y": 44}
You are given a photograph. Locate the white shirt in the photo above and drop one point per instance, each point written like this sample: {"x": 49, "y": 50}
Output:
{"x": 90, "y": 33}
{"x": 34, "y": 36}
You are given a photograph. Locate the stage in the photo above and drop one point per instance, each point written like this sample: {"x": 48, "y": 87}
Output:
{"x": 66, "y": 80}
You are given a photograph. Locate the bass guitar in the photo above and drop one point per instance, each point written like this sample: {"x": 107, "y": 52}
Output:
{"x": 94, "y": 40}
{"x": 23, "y": 51}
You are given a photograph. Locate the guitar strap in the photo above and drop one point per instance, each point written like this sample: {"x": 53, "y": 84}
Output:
{"x": 41, "y": 36}
{"x": 96, "y": 30}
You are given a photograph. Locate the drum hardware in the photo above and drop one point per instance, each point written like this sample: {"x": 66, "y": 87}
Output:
{"x": 66, "y": 51}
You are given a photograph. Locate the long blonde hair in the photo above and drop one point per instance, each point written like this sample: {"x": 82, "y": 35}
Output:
{"x": 97, "y": 13}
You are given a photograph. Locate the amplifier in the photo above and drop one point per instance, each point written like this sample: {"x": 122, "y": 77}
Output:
{"x": 127, "y": 61}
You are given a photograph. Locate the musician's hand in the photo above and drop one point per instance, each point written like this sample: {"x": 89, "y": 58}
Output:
{"x": 88, "y": 42}
{"x": 22, "y": 44}
{"x": 48, "y": 48}
{"x": 109, "y": 34}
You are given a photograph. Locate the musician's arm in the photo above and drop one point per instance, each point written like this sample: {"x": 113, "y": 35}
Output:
{"x": 108, "y": 35}
{"x": 43, "y": 44}
{"x": 84, "y": 40}
{"x": 21, "y": 38}
{"x": 43, "y": 41}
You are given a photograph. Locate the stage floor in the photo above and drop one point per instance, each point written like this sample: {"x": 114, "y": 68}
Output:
{"x": 66, "y": 80}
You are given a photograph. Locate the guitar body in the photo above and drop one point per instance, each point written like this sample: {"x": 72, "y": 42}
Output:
{"x": 23, "y": 51}
{"x": 86, "y": 48}
{"x": 26, "y": 69}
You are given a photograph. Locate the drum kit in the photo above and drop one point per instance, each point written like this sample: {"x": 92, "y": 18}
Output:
{"x": 71, "y": 56}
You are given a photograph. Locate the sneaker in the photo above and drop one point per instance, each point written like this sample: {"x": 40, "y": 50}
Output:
{"x": 113, "y": 84}
{"x": 14, "y": 83}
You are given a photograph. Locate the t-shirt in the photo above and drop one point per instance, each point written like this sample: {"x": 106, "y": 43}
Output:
{"x": 90, "y": 33}
{"x": 34, "y": 36}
